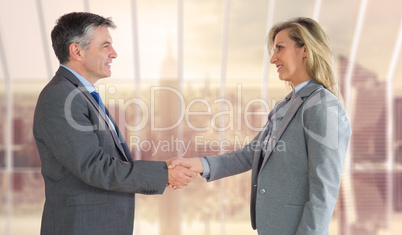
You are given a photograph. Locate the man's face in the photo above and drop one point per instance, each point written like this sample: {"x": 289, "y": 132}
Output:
{"x": 97, "y": 58}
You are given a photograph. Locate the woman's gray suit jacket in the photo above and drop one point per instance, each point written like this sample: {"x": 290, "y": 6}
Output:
{"x": 294, "y": 187}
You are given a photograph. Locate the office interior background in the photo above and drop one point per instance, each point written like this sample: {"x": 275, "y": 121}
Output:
{"x": 193, "y": 78}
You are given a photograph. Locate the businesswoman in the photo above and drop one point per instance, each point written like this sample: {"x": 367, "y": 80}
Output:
{"x": 297, "y": 158}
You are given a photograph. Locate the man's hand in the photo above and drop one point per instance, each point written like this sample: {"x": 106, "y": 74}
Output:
{"x": 182, "y": 170}
{"x": 179, "y": 176}
{"x": 193, "y": 164}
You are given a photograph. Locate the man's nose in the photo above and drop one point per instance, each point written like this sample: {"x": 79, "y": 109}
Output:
{"x": 113, "y": 54}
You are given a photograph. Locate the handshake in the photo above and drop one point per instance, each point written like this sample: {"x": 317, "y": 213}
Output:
{"x": 182, "y": 170}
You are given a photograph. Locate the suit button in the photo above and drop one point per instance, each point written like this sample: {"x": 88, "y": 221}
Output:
{"x": 262, "y": 191}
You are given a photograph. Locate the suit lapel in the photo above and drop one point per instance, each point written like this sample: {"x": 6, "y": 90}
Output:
{"x": 276, "y": 135}
{"x": 73, "y": 79}
{"x": 103, "y": 115}
{"x": 115, "y": 138}
{"x": 257, "y": 153}
{"x": 297, "y": 102}
{"x": 254, "y": 173}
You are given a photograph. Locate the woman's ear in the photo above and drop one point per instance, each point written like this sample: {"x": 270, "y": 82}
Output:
{"x": 304, "y": 51}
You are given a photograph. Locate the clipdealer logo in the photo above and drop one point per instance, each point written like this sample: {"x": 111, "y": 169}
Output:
{"x": 236, "y": 114}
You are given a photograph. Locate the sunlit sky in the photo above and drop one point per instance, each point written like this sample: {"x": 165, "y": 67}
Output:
{"x": 202, "y": 29}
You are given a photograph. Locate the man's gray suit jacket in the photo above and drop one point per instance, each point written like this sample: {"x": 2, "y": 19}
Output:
{"x": 294, "y": 187}
{"x": 90, "y": 179}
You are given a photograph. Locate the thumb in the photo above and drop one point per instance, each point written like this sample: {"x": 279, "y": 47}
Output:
{"x": 171, "y": 166}
{"x": 175, "y": 162}
{"x": 189, "y": 172}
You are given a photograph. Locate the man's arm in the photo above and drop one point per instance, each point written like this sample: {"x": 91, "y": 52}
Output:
{"x": 81, "y": 153}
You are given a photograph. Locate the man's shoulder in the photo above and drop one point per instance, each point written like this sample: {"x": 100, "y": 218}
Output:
{"x": 58, "y": 91}
{"x": 63, "y": 79}
{"x": 58, "y": 86}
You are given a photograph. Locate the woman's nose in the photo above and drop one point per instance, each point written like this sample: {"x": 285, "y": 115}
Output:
{"x": 273, "y": 59}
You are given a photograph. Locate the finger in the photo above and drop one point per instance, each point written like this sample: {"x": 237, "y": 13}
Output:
{"x": 186, "y": 180}
{"x": 183, "y": 181}
{"x": 171, "y": 166}
{"x": 187, "y": 175}
{"x": 174, "y": 163}
{"x": 182, "y": 162}
{"x": 181, "y": 176}
{"x": 190, "y": 173}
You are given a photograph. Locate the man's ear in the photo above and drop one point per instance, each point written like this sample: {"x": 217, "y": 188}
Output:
{"x": 75, "y": 52}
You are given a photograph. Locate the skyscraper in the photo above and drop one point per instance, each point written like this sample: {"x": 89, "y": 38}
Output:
{"x": 166, "y": 116}
{"x": 367, "y": 110}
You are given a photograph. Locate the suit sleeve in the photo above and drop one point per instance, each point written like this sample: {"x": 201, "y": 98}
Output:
{"x": 67, "y": 130}
{"x": 235, "y": 162}
{"x": 327, "y": 133}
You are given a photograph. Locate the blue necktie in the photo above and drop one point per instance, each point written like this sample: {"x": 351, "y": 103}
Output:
{"x": 102, "y": 106}
{"x": 98, "y": 100}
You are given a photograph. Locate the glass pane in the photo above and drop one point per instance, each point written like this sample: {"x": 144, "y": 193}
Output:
{"x": 27, "y": 199}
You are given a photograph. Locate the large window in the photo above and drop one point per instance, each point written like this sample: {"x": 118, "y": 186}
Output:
{"x": 205, "y": 64}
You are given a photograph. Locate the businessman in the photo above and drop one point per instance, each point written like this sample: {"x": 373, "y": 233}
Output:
{"x": 89, "y": 173}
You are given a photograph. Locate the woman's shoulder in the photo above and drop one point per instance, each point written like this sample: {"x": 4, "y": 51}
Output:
{"x": 321, "y": 95}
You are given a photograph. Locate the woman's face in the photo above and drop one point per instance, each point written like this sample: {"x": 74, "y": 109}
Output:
{"x": 289, "y": 59}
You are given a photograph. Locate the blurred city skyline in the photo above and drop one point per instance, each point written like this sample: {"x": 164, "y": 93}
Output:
{"x": 27, "y": 39}
{"x": 217, "y": 48}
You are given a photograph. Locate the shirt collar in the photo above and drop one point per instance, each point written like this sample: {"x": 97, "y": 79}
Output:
{"x": 84, "y": 82}
{"x": 300, "y": 86}
{"x": 296, "y": 90}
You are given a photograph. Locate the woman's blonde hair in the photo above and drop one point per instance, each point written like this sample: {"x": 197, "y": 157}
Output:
{"x": 320, "y": 61}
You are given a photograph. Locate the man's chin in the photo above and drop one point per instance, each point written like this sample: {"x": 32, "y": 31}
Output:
{"x": 107, "y": 74}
